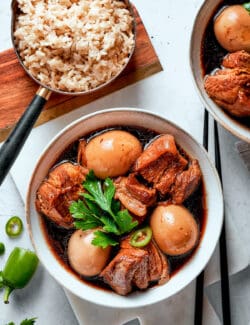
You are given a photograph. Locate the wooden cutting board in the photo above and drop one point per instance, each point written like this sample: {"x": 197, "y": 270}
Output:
{"x": 17, "y": 89}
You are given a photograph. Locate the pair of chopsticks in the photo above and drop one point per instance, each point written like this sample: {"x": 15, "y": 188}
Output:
{"x": 225, "y": 292}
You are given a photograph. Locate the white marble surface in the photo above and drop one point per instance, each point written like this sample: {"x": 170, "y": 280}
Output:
{"x": 171, "y": 94}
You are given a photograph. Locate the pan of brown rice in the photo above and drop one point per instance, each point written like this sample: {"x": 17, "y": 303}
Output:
{"x": 72, "y": 47}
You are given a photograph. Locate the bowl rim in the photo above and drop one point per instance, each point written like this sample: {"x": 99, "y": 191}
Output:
{"x": 122, "y": 302}
{"x": 237, "y": 129}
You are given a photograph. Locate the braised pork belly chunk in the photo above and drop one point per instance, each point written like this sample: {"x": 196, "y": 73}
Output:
{"x": 134, "y": 196}
{"x": 55, "y": 194}
{"x": 186, "y": 183}
{"x": 160, "y": 162}
{"x": 230, "y": 87}
{"x": 239, "y": 59}
{"x": 162, "y": 165}
{"x": 136, "y": 268}
{"x": 158, "y": 157}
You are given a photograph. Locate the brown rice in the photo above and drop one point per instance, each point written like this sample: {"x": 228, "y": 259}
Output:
{"x": 74, "y": 45}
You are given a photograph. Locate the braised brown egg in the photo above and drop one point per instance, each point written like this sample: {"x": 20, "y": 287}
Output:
{"x": 174, "y": 229}
{"x": 112, "y": 153}
{"x": 232, "y": 28}
{"x": 85, "y": 258}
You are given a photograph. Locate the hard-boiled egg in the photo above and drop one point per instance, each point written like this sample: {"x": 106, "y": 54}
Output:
{"x": 112, "y": 153}
{"x": 232, "y": 28}
{"x": 174, "y": 229}
{"x": 85, "y": 258}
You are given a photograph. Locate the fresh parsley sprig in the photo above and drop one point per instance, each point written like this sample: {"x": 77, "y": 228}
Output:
{"x": 30, "y": 321}
{"x": 99, "y": 209}
{"x": 26, "y": 321}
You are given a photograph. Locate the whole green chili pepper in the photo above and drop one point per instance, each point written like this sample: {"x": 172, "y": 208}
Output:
{"x": 1, "y": 280}
{"x": 18, "y": 270}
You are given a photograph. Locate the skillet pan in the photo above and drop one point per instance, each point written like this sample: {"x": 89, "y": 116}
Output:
{"x": 14, "y": 143}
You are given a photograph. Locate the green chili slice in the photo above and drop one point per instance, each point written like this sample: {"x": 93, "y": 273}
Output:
{"x": 2, "y": 248}
{"x": 141, "y": 237}
{"x": 14, "y": 226}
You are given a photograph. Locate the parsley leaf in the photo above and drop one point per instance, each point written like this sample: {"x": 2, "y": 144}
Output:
{"x": 109, "y": 225}
{"x": 30, "y": 321}
{"x": 26, "y": 321}
{"x": 87, "y": 224}
{"x": 94, "y": 187}
{"x": 99, "y": 209}
{"x": 125, "y": 221}
{"x": 86, "y": 215}
{"x": 247, "y": 6}
{"x": 101, "y": 195}
{"x": 103, "y": 240}
{"x": 109, "y": 191}
{"x": 115, "y": 206}
{"x": 79, "y": 210}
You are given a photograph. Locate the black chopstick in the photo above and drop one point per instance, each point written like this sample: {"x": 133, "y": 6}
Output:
{"x": 205, "y": 130}
{"x": 225, "y": 291}
{"x": 200, "y": 279}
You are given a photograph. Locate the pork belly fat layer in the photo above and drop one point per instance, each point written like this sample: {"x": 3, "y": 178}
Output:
{"x": 230, "y": 87}
{"x": 136, "y": 267}
{"x": 56, "y": 193}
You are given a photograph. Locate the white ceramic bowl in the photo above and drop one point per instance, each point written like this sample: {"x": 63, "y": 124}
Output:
{"x": 207, "y": 10}
{"x": 132, "y": 117}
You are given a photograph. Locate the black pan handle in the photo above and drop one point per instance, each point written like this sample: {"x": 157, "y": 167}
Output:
{"x": 14, "y": 143}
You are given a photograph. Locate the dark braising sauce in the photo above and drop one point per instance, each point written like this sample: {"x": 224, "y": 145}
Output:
{"x": 58, "y": 237}
{"x": 212, "y": 53}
